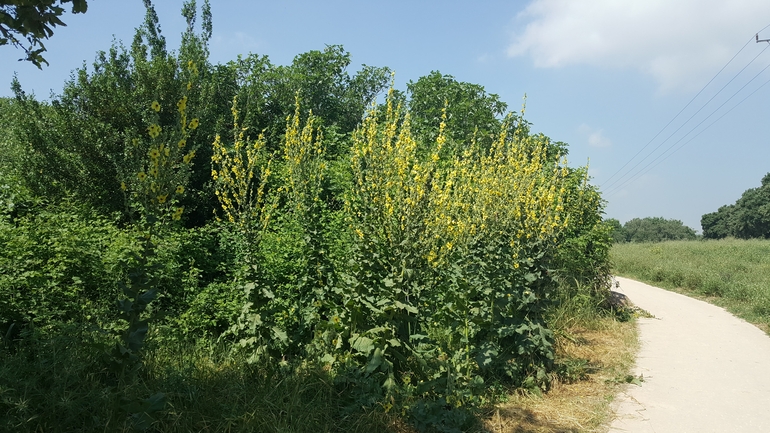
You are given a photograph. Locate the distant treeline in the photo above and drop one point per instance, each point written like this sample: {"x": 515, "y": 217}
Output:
{"x": 650, "y": 229}
{"x": 747, "y": 218}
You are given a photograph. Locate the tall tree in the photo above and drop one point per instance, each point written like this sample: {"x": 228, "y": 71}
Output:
{"x": 748, "y": 218}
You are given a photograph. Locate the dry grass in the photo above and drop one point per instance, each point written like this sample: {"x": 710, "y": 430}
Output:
{"x": 584, "y": 406}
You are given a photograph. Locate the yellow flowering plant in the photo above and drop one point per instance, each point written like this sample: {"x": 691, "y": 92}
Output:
{"x": 449, "y": 278}
{"x": 154, "y": 173}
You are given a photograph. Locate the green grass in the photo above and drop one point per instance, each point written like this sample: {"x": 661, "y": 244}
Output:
{"x": 59, "y": 384}
{"x": 731, "y": 273}
{"x": 56, "y": 385}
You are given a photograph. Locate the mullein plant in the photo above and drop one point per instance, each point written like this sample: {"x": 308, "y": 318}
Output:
{"x": 241, "y": 171}
{"x": 154, "y": 174}
{"x": 278, "y": 324}
{"x": 449, "y": 279}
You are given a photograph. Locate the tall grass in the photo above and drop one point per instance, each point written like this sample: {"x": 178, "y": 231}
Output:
{"x": 731, "y": 273}
{"x": 45, "y": 385}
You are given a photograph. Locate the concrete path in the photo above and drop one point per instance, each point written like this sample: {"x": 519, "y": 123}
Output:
{"x": 704, "y": 369}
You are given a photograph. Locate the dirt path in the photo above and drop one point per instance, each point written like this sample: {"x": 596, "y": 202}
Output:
{"x": 704, "y": 369}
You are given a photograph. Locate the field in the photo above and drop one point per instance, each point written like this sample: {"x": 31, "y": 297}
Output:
{"x": 731, "y": 273}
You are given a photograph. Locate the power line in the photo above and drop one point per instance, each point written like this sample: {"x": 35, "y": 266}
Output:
{"x": 642, "y": 172}
{"x": 609, "y": 185}
{"x": 680, "y": 111}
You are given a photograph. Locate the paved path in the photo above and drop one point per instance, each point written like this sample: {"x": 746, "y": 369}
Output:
{"x": 704, "y": 369}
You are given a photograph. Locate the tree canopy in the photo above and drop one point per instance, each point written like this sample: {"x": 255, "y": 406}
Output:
{"x": 748, "y": 218}
{"x": 33, "y": 21}
{"x": 651, "y": 229}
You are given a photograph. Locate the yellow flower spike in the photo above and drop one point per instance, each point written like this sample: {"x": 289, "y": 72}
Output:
{"x": 123, "y": 186}
{"x": 135, "y": 142}
{"x": 162, "y": 198}
{"x": 154, "y": 172}
{"x": 154, "y": 153}
{"x": 154, "y": 130}
{"x": 166, "y": 151}
{"x": 194, "y": 123}
{"x": 141, "y": 175}
{"x": 155, "y": 106}
{"x": 179, "y": 189}
{"x": 182, "y": 143}
{"x": 182, "y": 104}
{"x": 189, "y": 85}
{"x": 187, "y": 158}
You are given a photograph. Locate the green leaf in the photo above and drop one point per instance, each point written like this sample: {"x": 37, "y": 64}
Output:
{"x": 280, "y": 334}
{"x": 375, "y": 361}
{"x": 362, "y": 344}
{"x": 406, "y": 307}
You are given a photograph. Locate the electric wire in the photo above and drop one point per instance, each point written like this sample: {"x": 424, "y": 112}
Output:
{"x": 612, "y": 187}
{"x": 652, "y": 152}
{"x": 653, "y": 163}
{"x": 680, "y": 111}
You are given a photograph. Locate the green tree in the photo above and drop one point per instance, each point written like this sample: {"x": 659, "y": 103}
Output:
{"x": 470, "y": 110}
{"x": 751, "y": 215}
{"x": 321, "y": 81}
{"x": 77, "y": 144}
{"x": 33, "y": 20}
{"x": 748, "y": 218}
{"x": 617, "y": 232}
{"x": 657, "y": 229}
{"x": 717, "y": 225}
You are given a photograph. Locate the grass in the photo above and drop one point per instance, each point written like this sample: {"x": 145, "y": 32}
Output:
{"x": 53, "y": 386}
{"x": 601, "y": 353}
{"x": 731, "y": 273}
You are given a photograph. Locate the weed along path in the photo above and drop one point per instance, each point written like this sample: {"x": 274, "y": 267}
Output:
{"x": 704, "y": 370}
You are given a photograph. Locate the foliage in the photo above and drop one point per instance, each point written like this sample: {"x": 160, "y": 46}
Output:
{"x": 445, "y": 283}
{"x": 655, "y": 229}
{"x": 416, "y": 254}
{"x": 33, "y": 20}
{"x": 582, "y": 259}
{"x": 53, "y": 268}
{"x": 78, "y": 144}
{"x": 748, "y": 218}
{"x": 318, "y": 79}
{"x": 470, "y": 111}
{"x": 48, "y": 386}
{"x": 616, "y": 230}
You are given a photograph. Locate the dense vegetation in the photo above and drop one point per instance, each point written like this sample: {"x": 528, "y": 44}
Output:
{"x": 192, "y": 246}
{"x": 650, "y": 229}
{"x": 747, "y": 218}
{"x": 732, "y": 273}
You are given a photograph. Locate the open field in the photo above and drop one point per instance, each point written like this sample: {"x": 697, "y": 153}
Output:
{"x": 731, "y": 273}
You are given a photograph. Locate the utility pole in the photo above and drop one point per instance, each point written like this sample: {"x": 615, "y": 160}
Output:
{"x": 762, "y": 40}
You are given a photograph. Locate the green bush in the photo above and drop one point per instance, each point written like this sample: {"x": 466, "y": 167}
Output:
{"x": 53, "y": 268}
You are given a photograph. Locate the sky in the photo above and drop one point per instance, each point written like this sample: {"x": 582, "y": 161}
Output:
{"x": 667, "y": 102}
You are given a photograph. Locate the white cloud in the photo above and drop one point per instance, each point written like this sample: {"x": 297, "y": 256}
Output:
{"x": 595, "y": 137}
{"x": 680, "y": 43}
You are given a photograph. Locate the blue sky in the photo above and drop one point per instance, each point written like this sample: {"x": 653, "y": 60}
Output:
{"x": 605, "y": 76}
